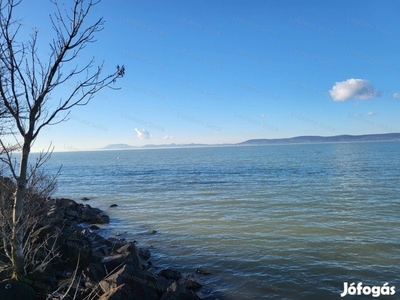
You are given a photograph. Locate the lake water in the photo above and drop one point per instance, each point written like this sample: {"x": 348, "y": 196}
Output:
{"x": 268, "y": 222}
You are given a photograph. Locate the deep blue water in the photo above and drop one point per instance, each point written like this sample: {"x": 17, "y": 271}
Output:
{"x": 269, "y": 222}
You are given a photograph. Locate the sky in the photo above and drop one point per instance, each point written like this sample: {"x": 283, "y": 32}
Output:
{"x": 227, "y": 71}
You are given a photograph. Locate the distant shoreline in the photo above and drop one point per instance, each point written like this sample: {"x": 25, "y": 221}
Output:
{"x": 281, "y": 141}
{"x": 388, "y": 137}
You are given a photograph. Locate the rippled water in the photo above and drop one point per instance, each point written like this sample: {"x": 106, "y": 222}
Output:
{"x": 269, "y": 222}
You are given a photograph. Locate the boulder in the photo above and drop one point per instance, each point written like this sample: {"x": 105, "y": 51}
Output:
{"x": 110, "y": 269}
{"x": 164, "y": 285}
{"x": 16, "y": 290}
{"x": 202, "y": 271}
{"x": 124, "y": 275}
{"x": 141, "y": 289}
{"x": 191, "y": 283}
{"x": 70, "y": 208}
{"x": 170, "y": 274}
{"x": 55, "y": 212}
{"x": 114, "y": 243}
{"x": 43, "y": 281}
{"x": 93, "y": 274}
{"x": 80, "y": 212}
{"x": 93, "y": 215}
{"x": 116, "y": 261}
{"x": 178, "y": 296}
{"x": 99, "y": 251}
{"x": 121, "y": 292}
{"x": 133, "y": 252}
{"x": 75, "y": 247}
{"x": 144, "y": 253}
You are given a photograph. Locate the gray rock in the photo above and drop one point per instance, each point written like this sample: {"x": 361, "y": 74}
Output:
{"x": 115, "y": 261}
{"x": 202, "y": 271}
{"x": 123, "y": 275}
{"x": 16, "y": 290}
{"x": 166, "y": 285}
{"x": 135, "y": 279}
{"x": 133, "y": 252}
{"x": 191, "y": 283}
{"x": 178, "y": 296}
{"x": 93, "y": 274}
{"x": 171, "y": 274}
{"x": 121, "y": 292}
{"x": 144, "y": 253}
{"x": 126, "y": 254}
{"x": 55, "y": 212}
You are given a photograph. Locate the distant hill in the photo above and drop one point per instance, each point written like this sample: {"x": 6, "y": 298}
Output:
{"x": 151, "y": 146}
{"x": 293, "y": 140}
{"x": 325, "y": 139}
{"x": 117, "y": 147}
{"x": 173, "y": 145}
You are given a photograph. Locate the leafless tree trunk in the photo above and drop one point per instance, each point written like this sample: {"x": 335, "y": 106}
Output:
{"x": 26, "y": 83}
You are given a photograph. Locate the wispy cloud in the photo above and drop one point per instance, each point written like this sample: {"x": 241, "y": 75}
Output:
{"x": 142, "y": 134}
{"x": 168, "y": 137}
{"x": 352, "y": 89}
{"x": 370, "y": 121}
{"x": 396, "y": 95}
{"x": 257, "y": 122}
{"x": 370, "y": 114}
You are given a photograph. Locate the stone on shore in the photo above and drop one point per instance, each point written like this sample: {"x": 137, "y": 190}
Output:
{"x": 110, "y": 268}
{"x": 121, "y": 292}
{"x": 171, "y": 274}
{"x": 178, "y": 296}
{"x": 144, "y": 253}
{"x": 133, "y": 278}
{"x": 202, "y": 271}
{"x": 16, "y": 290}
{"x": 191, "y": 283}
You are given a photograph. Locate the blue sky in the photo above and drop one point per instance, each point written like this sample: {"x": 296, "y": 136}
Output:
{"x": 228, "y": 71}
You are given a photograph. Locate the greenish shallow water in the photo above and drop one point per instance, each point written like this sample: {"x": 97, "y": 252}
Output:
{"x": 269, "y": 222}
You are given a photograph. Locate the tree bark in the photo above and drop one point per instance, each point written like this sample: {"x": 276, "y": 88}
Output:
{"x": 17, "y": 253}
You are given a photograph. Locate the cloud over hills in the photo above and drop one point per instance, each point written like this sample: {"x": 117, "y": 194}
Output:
{"x": 352, "y": 89}
{"x": 142, "y": 134}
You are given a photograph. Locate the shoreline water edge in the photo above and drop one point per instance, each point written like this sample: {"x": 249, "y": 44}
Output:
{"x": 86, "y": 265}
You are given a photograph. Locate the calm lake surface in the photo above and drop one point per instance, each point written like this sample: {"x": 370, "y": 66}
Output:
{"x": 268, "y": 222}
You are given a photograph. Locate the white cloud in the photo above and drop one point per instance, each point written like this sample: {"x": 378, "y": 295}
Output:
{"x": 142, "y": 134}
{"x": 352, "y": 88}
{"x": 370, "y": 114}
{"x": 168, "y": 137}
{"x": 396, "y": 95}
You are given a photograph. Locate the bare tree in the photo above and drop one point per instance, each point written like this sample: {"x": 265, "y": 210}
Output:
{"x": 38, "y": 252}
{"x": 27, "y": 82}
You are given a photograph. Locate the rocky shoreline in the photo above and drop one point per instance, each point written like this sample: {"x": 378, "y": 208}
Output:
{"x": 86, "y": 265}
